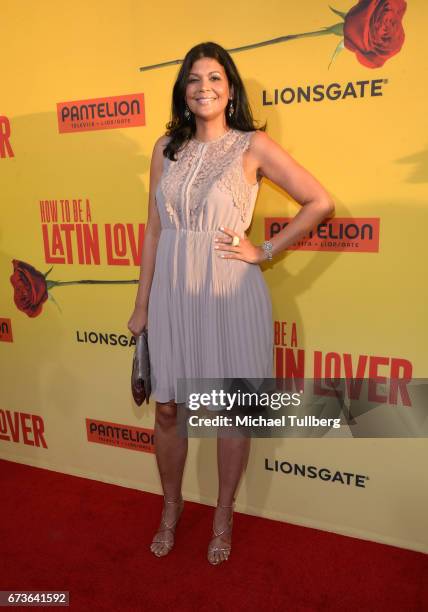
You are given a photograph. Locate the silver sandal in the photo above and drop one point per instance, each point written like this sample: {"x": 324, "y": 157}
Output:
{"x": 214, "y": 548}
{"x": 168, "y": 529}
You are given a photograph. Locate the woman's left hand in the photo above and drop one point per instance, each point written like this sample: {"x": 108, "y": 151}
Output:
{"x": 245, "y": 250}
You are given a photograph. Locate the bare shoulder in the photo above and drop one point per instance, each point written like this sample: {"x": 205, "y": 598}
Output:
{"x": 157, "y": 154}
{"x": 157, "y": 158}
{"x": 261, "y": 146}
{"x": 160, "y": 144}
{"x": 267, "y": 151}
{"x": 260, "y": 142}
{"x": 163, "y": 140}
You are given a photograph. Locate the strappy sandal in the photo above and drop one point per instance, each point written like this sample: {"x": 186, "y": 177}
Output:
{"x": 167, "y": 540}
{"x": 219, "y": 551}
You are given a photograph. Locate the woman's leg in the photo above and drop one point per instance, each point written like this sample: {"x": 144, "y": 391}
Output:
{"x": 171, "y": 452}
{"x": 232, "y": 459}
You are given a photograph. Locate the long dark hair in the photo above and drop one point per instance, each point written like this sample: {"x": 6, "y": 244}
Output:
{"x": 181, "y": 129}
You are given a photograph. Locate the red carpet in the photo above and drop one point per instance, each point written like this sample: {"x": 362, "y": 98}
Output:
{"x": 62, "y": 532}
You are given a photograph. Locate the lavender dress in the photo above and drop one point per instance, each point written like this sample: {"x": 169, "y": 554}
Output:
{"x": 208, "y": 317}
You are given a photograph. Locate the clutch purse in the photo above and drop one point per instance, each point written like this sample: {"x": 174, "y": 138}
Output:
{"x": 140, "y": 377}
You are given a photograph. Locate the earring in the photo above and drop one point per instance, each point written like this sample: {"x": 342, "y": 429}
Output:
{"x": 187, "y": 113}
{"x": 231, "y": 109}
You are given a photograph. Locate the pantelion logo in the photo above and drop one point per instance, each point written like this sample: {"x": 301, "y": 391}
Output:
{"x": 101, "y": 113}
{"x": 337, "y": 234}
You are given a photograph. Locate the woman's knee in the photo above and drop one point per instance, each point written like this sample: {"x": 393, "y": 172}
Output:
{"x": 166, "y": 414}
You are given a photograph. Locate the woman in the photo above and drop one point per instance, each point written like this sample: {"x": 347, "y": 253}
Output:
{"x": 209, "y": 312}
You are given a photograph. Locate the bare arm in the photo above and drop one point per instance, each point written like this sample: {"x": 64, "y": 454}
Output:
{"x": 152, "y": 231}
{"x": 279, "y": 167}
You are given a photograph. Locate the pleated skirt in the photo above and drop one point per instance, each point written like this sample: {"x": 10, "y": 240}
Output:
{"x": 208, "y": 317}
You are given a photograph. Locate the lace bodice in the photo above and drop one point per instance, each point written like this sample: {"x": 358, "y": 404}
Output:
{"x": 187, "y": 182}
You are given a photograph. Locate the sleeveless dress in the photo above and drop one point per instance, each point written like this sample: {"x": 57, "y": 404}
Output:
{"x": 208, "y": 317}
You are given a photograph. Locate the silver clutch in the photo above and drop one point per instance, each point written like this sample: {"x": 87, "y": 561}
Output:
{"x": 140, "y": 377}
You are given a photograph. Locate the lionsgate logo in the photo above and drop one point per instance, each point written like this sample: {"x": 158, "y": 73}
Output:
{"x": 320, "y": 92}
{"x": 314, "y": 472}
{"x": 107, "y": 338}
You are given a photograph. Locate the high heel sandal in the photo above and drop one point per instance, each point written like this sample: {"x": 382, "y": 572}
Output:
{"x": 217, "y": 553}
{"x": 167, "y": 540}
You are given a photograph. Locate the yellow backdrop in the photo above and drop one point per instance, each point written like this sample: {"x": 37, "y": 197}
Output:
{"x": 74, "y": 201}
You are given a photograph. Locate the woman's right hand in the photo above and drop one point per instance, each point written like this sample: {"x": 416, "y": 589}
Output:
{"x": 138, "y": 320}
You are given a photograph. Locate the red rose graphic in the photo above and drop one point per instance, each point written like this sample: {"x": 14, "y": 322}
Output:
{"x": 373, "y": 30}
{"x": 30, "y": 288}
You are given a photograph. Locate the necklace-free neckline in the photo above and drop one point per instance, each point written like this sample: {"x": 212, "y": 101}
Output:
{"x": 206, "y": 142}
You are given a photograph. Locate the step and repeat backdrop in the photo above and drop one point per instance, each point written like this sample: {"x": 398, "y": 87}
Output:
{"x": 86, "y": 91}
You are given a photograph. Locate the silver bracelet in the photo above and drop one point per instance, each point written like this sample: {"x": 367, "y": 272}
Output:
{"x": 267, "y": 248}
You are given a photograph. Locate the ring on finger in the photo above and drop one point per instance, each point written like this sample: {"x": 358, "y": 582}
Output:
{"x": 236, "y": 240}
